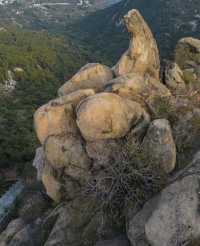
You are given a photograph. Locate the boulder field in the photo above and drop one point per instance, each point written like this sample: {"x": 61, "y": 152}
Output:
{"x": 117, "y": 152}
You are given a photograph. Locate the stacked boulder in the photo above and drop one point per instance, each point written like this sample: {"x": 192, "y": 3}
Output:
{"x": 98, "y": 113}
{"x": 82, "y": 130}
{"x": 100, "y": 105}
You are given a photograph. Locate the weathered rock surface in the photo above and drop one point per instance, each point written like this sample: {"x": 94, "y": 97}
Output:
{"x": 52, "y": 185}
{"x": 107, "y": 115}
{"x": 75, "y": 97}
{"x": 187, "y": 56}
{"x": 174, "y": 78}
{"x": 142, "y": 56}
{"x": 67, "y": 151}
{"x": 91, "y": 76}
{"x": 80, "y": 222}
{"x": 54, "y": 118}
{"x": 159, "y": 147}
{"x": 39, "y": 162}
{"x": 138, "y": 88}
{"x": 170, "y": 218}
{"x": 102, "y": 152}
{"x": 186, "y": 134}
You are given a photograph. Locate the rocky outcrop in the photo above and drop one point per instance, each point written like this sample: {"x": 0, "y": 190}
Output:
{"x": 110, "y": 141}
{"x": 169, "y": 219}
{"x": 187, "y": 56}
{"x": 141, "y": 89}
{"x": 98, "y": 117}
{"x": 142, "y": 56}
{"x": 186, "y": 131}
{"x": 80, "y": 222}
{"x": 159, "y": 147}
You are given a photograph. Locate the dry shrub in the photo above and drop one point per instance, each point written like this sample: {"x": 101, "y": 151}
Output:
{"x": 129, "y": 177}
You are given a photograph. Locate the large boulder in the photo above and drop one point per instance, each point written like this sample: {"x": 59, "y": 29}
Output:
{"x": 159, "y": 147}
{"x": 169, "y": 219}
{"x": 91, "y": 76}
{"x": 187, "y": 56}
{"x": 57, "y": 116}
{"x": 138, "y": 88}
{"x": 54, "y": 118}
{"x": 142, "y": 56}
{"x": 107, "y": 115}
{"x": 67, "y": 152}
{"x": 80, "y": 223}
{"x": 186, "y": 132}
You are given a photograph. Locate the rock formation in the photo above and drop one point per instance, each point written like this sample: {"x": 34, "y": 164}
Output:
{"x": 159, "y": 146}
{"x": 107, "y": 116}
{"x": 71, "y": 127}
{"x": 142, "y": 56}
{"x": 170, "y": 218}
{"x": 187, "y": 57}
{"x": 109, "y": 142}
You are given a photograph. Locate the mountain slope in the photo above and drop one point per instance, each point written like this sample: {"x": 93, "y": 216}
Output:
{"x": 169, "y": 20}
{"x": 38, "y": 63}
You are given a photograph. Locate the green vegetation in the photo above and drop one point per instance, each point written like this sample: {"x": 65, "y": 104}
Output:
{"x": 44, "y": 62}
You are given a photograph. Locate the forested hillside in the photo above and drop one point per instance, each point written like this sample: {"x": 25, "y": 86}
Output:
{"x": 32, "y": 66}
{"x": 169, "y": 20}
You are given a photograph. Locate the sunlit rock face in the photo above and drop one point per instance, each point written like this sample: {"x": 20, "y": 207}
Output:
{"x": 142, "y": 56}
{"x": 99, "y": 110}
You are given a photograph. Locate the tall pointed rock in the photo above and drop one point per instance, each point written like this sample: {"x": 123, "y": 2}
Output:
{"x": 142, "y": 56}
